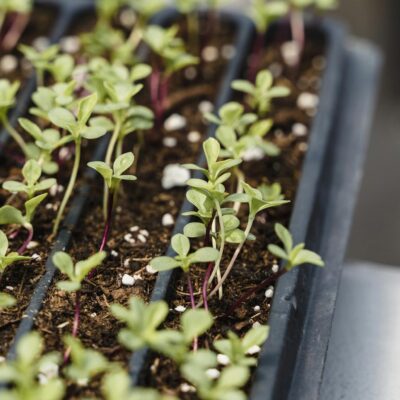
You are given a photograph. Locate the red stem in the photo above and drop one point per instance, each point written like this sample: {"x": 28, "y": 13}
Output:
{"x": 155, "y": 94}
{"x": 24, "y": 246}
{"x": 252, "y": 291}
{"x": 298, "y": 30}
{"x": 255, "y": 59}
{"x": 107, "y": 227}
{"x": 12, "y": 36}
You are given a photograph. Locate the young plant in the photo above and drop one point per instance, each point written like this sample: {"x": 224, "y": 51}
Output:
{"x": 117, "y": 385}
{"x": 238, "y": 350}
{"x": 144, "y": 11}
{"x": 260, "y": 94}
{"x": 291, "y": 255}
{"x": 79, "y": 127}
{"x": 85, "y": 364}
{"x": 8, "y": 93}
{"x": 227, "y": 386}
{"x": 76, "y": 274}
{"x": 46, "y": 142}
{"x": 112, "y": 179}
{"x": 297, "y": 8}
{"x": 32, "y": 184}
{"x": 184, "y": 259}
{"x": 271, "y": 192}
{"x": 143, "y": 322}
{"x": 263, "y": 13}
{"x": 22, "y": 374}
{"x": 189, "y": 9}
{"x": 10, "y": 215}
{"x": 18, "y": 12}
{"x": 7, "y": 259}
{"x": 41, "y": 60}
{"x": 171, "y": 51}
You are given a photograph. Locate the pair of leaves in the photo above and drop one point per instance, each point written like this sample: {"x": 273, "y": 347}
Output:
{"x": 184, "y": 259}
{"x": 263, "y": 13}
{"x": 8, "y": 92}
{"x": 225, "y": 387}
{"x": 31, "y": 172}
{"x": 7, "y": 259}
{"x": 76, "y": 273}
{"x": 262, "y": 92}
{"x": 236, "y": 349}
{"x": 10, "y": 215}
{"x": 112, "y": 176}
{"x": 165, "y": 43}
{"x": 22, "y": 373}
{"x": 78, "y": 126}
{"x": 293, "y": 255}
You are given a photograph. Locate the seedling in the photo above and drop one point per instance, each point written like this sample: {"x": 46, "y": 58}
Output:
{"x": 260, "y": 94}
{"x": 171, "y": 50}
{"x": 292, "y": 256}
{"x": 184, "y": 259}
{"x": 143, "y": 322}
{"x": 237, "y": 350}
{"x": 189, "y": 9}
{"x": 76, "y": 274}
{"x": 226, "y": 387}
{"x": 46, "y": 99}
{"x": 18, "y": 22}
{"x": 8, "y": 93}
{"x": 61, "y": 68}
{"x": 271, "y": 192}
{"x": 7, "y": 259}
{"x": 31, "y": 172}
{"x": 41, "y": 60}
{"x": 23, "y": 372}
{"x": 112, "y": 179}
{"x": 85, "y": 364}
{"x": 263, "y": 13}
{"x": 79, "y": 127}
{"x": 12, "y": 216}
{"x": 297, "y": 8}
{"x": 117, "y": 385}
{"x": 46, "y": 142}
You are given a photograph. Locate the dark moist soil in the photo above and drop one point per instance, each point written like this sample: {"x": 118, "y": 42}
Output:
{"x": 254, "y": 265}
{"x": 40, "y": 26}
{"x": 141, "y": 206}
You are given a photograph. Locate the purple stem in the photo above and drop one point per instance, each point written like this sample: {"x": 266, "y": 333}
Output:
{"x": 24, "y": 246}
{"x": 255, "y": 59}
{"x": 155, "y": 82}
{"x": 298, "y": 30}
{"x": 11, "y": 37}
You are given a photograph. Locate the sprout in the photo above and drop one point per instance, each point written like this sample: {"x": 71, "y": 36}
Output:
{"x": 76, "y": 274}
{"x": 41, "y": 60}
{"x": 112, "y": 179}
{"x": 171, "y": 51}
{"x": 85, "y": 363}
{"x": 8, "y": 93}
{"x": 31, "y": 172}
{"x": 79, "y": 127}
{"x": 293, "y": 255}
{"x": 23, "y": 372}
{"x": 260, "y": 94}
{"x": 7, "y": 259}
{"x": 12, "y": 216}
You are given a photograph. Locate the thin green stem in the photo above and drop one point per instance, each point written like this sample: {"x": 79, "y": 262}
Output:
{"x": 70, "y": 187}
{"x": 136, "y": 36}
{"x": 239, "y": 188}
{"x": 222, "y": 246}
{"x": 234, "y": 258}
{"x": 108, "y": 159}
{"x": 40, "y": 77}
{"x": 15, "y": 135}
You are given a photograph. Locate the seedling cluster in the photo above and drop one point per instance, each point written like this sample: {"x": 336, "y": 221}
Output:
{"x": 100, "y": 96}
